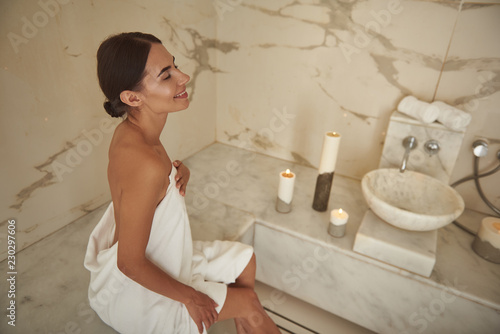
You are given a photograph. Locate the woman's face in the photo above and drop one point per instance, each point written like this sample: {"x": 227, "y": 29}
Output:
{"x": 164, "y": 86}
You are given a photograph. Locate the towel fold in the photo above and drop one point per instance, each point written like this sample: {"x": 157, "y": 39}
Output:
{"x": 207, "y": 266}
{"x": 452, "y": 117}
{"x": 420, "y": 110}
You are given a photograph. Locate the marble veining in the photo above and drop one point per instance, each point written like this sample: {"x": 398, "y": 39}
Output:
{"x": 232, "y": 195}
{"x": 335, "y": 65}
{"x": 344, "y": 65}
{"x": 61, "y": 51}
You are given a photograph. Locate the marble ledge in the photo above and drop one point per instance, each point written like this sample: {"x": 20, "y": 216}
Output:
{"x": 231, "y": 189}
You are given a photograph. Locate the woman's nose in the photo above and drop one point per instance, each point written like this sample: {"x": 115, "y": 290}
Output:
{"x": 183, "y": 78}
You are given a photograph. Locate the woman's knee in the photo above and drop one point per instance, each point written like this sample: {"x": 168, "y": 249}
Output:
{"x": 250, "y": 299}
{"x": 247, "y": 277}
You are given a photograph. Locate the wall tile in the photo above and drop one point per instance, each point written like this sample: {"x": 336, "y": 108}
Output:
{"x": 51, "y": 101}
{"x": 345, "y": 74}
{"x": 471, "y": 81}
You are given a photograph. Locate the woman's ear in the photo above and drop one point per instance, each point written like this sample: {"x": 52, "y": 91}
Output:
{"x": 131, "y": 98}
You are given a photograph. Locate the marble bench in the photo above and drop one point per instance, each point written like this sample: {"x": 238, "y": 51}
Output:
{"x": 232, "y": 196}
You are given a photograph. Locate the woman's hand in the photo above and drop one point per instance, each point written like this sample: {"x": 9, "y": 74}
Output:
{"x": 201, "y": 308}
{"x": 182, "y": 177}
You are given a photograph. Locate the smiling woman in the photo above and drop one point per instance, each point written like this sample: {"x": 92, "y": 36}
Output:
{"x": 147, "y": 274}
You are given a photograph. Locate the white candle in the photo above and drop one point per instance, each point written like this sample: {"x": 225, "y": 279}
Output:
{"x": 490, "y": 231}
{"x": 285, "y": 189}
{"x": 331, "y": 143}
{"x": 338, "y": 217}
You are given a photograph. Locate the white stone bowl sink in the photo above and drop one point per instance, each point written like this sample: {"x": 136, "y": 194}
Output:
{"x": 411, "y": 200}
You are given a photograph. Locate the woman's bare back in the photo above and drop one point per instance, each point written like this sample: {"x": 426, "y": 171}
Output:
{"x": 129, "y": 148}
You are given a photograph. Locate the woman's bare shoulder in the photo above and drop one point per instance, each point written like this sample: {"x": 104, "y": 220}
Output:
{"x": 132, "y": 160}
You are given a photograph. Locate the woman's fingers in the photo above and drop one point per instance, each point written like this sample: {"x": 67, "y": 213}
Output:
{"x": 182, "y": 177}
{"x": 181, "y": 185}
{"x": 202, "y": 310}
{"x": 208, "y": 319}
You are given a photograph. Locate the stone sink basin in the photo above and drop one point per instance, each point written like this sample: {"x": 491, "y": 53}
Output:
{"x": 411, "y": 200}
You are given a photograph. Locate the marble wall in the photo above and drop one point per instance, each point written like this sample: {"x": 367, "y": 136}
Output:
{"x": 54, "y": 131}
{"x": 304, "y": 67}
{"x": 275, "y": 75}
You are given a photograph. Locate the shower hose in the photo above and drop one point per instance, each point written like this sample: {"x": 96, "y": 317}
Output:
{"x": 476, "y": 176}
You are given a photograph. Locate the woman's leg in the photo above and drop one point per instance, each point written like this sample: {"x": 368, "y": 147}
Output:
{"x": 247, "y": 277}
{"x": 245, "y": 280}
{"x": 244, "y": 306}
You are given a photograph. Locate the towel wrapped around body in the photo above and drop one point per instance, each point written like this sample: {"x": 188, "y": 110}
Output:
{"x": 207, "y": 266}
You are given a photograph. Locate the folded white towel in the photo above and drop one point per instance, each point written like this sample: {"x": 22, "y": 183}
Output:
{"x": 452, "y": 117}
{"x": 417, "y": 109}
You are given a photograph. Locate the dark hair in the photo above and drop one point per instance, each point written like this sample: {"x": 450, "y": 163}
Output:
{"x": 121, "y": 60}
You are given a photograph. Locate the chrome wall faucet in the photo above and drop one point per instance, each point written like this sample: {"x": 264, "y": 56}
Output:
{"x": 409, "y": 143}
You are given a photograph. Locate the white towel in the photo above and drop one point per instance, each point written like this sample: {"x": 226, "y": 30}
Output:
{"x": 129, "y": 307}
{"x": 452, "y": 117}
{"x": 417, "y": 109}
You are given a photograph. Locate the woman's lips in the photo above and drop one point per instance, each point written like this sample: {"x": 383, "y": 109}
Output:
{"x": 182, "y": 95}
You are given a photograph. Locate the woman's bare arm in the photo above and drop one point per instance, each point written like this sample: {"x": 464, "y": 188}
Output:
{"x": 142, "y": 183}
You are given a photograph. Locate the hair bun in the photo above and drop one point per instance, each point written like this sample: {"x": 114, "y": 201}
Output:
{"x": 111, "y": 110}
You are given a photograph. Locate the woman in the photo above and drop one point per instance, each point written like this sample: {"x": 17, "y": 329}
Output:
{"x": 147, "y": 275}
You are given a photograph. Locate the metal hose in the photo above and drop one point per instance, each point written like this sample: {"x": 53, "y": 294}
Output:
{"x": 476, "y": 176}
{"x": 479, "y": 190}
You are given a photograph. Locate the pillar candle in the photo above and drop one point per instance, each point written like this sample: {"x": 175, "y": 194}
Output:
{"x": 338, "y": 217}
{"x": 331, "y": 142}
{"x": 490, "y": 231}
{"x": 338, "y": 220}
{"x": 285, "y": 190}
{"x": 487, "y": 242}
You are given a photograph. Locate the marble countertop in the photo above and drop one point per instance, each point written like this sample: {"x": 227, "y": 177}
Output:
{"x": 231, "y": 188}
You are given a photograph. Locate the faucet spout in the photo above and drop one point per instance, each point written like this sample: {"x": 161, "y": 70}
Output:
{"x": 409, "y": 143}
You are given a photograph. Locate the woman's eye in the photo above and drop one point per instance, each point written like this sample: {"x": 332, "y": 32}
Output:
{"x": 168, "y": 77}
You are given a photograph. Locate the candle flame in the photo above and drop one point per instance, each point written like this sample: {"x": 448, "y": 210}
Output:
{"x": 287, "y": 171}
{"x": 340, "y": 211}
{"x": 497, "y": 226}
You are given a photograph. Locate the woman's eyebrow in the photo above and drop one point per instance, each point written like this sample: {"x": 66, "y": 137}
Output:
{"x": 166, "y": 68}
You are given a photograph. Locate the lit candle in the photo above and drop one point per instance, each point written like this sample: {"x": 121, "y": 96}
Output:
{"x": 329, "y": 152}
{"x": 285, "y": 190}
{"x": 338, "y": 221}
{"x": 487, "y": 242}
{"x": 338, "y": 217}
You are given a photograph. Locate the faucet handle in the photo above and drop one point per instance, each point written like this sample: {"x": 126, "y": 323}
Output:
{"x": 431, "y": 147}
{"x": 410, "y": 142}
